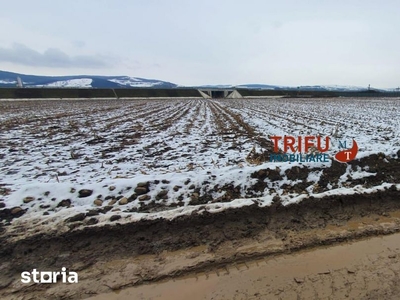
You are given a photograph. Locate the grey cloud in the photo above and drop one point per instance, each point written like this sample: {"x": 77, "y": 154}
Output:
{"x": 52, "y": 57}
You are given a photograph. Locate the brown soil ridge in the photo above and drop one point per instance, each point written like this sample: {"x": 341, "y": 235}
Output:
{"x": 155, "y": 236}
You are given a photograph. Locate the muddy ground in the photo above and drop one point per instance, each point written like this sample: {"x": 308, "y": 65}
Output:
{"x": 116, "y": 257}
{"x": 366, "y": 269}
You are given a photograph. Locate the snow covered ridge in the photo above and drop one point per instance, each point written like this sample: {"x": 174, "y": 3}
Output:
{"x": 66, "y": 164}
{"x": 8, "y": 79}
{"x": 72, "y": 83}
{"x": 136, "y": 82}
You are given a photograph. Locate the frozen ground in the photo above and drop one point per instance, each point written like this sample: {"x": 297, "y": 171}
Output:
{"x": 92, "y": 162}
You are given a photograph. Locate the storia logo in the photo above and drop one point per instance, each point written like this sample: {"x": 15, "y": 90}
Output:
{"x": 49, "y": 277}
{"x": 310, "y": 149}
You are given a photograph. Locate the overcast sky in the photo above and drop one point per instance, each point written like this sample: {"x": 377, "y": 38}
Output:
{"x": 344, "y": 42}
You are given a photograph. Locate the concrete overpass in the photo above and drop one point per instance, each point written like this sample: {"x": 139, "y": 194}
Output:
{"x": 219, "y": 93}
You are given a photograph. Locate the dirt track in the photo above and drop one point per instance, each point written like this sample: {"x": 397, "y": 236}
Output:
{"x": 367, "y": 269}
{"x": 114, "y": 258}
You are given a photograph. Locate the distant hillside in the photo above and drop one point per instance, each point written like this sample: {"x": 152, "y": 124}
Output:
{"x": 317, "y": 88}
{"x": 337, "y": 88}
{"x": 9, "y": 79}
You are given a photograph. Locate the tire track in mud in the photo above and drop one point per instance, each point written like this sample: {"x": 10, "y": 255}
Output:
{"x": 233, "y": 236}
{"x": 368, "y": 270}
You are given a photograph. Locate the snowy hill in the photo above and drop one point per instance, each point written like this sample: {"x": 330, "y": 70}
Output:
{"x": 252, "y": 86}
{"x": 72, "y": 83}
{"x": 338, "y": 88}
{"x": 9, "y": 79}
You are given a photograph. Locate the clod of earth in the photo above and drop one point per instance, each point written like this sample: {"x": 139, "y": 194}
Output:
{"x": 16, "y": 210}
{"x": 162, "y": 195}
{"x": 98, "y": 202}
{"x": 112, "y": 202}
{"x": 132, "y": 197}
{"x": 123, "y": 201}
{"x": 351, "y": 270}
{"x": 76, "y": 218}
{"x": 28, "y": 199}
{"x": 144, "y": 198}
{"x": 141, "y": 190}
{"x": 92, "y": 221}
{"x": 298, "y": 280}
{"x": 115, "y": 218}
{"x": 85, "y": 193}
{"x": 177, "y": 187}
{"x": 64, "y": 203}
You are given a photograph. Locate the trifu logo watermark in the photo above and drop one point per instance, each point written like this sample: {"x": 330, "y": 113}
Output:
{"x": 49, "y": 277}
{"x": 310, "y": 149}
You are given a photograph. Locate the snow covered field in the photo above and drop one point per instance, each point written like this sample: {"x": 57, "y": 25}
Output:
{"x": 90, "y": 162}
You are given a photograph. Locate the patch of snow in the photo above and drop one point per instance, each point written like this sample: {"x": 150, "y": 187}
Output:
{"x": 342, "y": 87}
{"x": 8, "y": 81}
{"x": 135, "y": 82}
{"x": 72, "y": 83}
